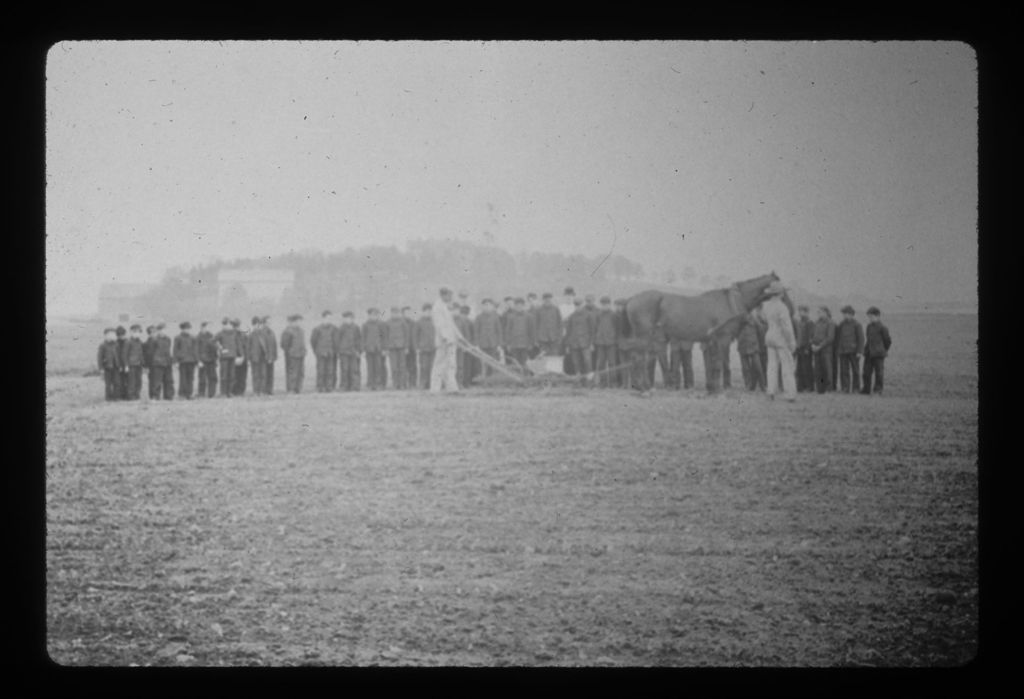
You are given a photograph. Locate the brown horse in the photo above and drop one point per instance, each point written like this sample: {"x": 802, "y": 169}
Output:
{"x": 712, "y": 318}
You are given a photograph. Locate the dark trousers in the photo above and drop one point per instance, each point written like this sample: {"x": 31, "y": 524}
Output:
{"x": 426, "y": 364}
{"x": 753, "y": 373}
{"x": 186, "y": 376}
{"x": 568, "y": 367}
{"x": 268, "y": 379}
{"x": 727, "y": 370}
{"x": 835, "y": 368}
{"x": 134, "y": 382}
{"x": 241, "y": 372}
{"x": 823, "y": 370}
{"x": 412, "y": 373}
{"x": 110, "y": 384}
{"x": 607, "y": 357}
{"x": 580, "y": 357}
{"x": 396, "y": 361}
{"x": 849, "y": 372}
{"x": 348, "y": 366}
{"x": 804, "y": 370}
{"x": 681, "y": 368}
{"x": 375, "y": 376}
{"x": 873, "y": 366}
{"x": 122, "y": 389}
{"x": 713, "y": 380}
{"x": 207, "y": 379}
{"x": 227, "y": 376}
{"x": 295, "y": 372}
{"x": 259, "y": 378}
{"x": 325, "y": 378}
{"x": 161, "y": 383}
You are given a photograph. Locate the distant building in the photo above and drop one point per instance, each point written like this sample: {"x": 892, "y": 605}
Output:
{"x": 120, "y": 301}
{"x": 265, "y": 286}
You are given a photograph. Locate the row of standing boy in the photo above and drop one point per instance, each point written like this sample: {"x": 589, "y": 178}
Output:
{"x": 585, "y": 333}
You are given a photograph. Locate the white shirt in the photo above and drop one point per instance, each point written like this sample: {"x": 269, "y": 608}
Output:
{"x": 780, "y": 326}
{"x": 445, "y": 330}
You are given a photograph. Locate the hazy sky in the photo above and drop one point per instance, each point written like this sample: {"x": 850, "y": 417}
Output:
{"x": 846, "y": 166}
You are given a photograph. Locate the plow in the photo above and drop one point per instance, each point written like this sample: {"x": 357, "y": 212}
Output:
{"x": 544, "y": 371}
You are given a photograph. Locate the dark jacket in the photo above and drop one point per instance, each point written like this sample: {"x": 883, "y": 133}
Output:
{"x": 133, "y": 355}
{"x": 424, "y": 340}
{"x": 321, "y": 340}
{"x": 348, "y": 339}
{"x": 579, "y": 329}
{"x": 410, "y": 326}
{"x": 271, "y": 339}
{"x": 107, "y": 356}
{"x": 228, "y": 345}
{"x": 293, "y": 342}
{"x": 549, "y": 323}
{"x": 488, "y": 331}
{"x": 520, "y": 332}
{"x": 374, "y": 335}
{"x": 257, "y": 351}
{"x": 849, "y": 337}
{"x": 186, "y": 349}
{"x": 824, "y": 334}
{"x": 161, "y": 351}
{"x": 148, "y": 346}
{"x": 207, "y": 346}
{"x": 396, "y": 334}
{"x": 243, "y": 344}
{"x": 804, "y": 330}
{"x": 877, "y": 340}
{"x": 606, "y": 328}
{"x": 465, "y": 326}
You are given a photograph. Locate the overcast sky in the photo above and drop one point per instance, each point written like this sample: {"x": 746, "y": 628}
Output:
{"x": 848, "y": 167}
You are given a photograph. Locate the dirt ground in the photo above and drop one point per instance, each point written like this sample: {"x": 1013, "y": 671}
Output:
{"x": 519, "y": 526}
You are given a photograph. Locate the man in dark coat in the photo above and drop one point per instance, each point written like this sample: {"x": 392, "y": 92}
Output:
{"x": 207, "y": 362}
{"x": 348, "y": 347}
{"x": 226, "y": 342}
{"x": 186, "y": 356}
{"x": 242, "y": 360}
{"x": 624, "y": 346}
{"x": 133, "y": 359}
{"x": 411, "y": 366}
{"x": 374, "y": 335}
{"x": 748, "y": 344}
{"x": 257, "y": 354}
{"x": 849, "y": 346}
{"x": 465, "y": 362}
{"x": 488, "y": 333}
{"x": 804, "y": 356}
{"x": 108, "y": 361}
{"x": 161, "y": 378}
{"x": 147, "y": 357}
{"x": 293, "y": 346}
{"x": 549, "y": 326}
{"x": 122, "y": 351}
{"x": 579, "y": 337}
{"x": 822, "y": 339}
{"x": 321, "y": 341}
{"x": 606, "y": 339}
{"x": 271, "y": 341}
{"x": 520, "y": 333}
{"x": 566, "y": 309}
{"x": 424, "y": 342}
{"x": 396, "y": 338}
{"x": 877, "y": 342}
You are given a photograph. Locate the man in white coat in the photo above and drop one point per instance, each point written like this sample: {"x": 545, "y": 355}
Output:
{"x": 446, "y": 335}
{"x": 780, "y": 342}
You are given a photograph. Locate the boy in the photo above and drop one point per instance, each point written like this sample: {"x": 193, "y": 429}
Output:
{"x": 876, "y": 347}
{"x": 396, "y": 334}
{"x": 606, "y": 338}
{"x": 804, "y": 361}
{"x": 257, "y": 353}
{"x": 133, "y": 360}
{"x": 466, "y": 370}
{"x": 487, "y": 332}
{"x": 271, "y": 340}
{"x": 109, "y": 363}
{"x": 822, "y": 339}
{"x": 424, "y": 342}
{"x": 161, "y": 380}
{"x": 293, "y": 345}
{"x": 321, "y": 340}
{"x": 207, "y": 362}
{"x": 226, "y": 342}
{"x": 748, "y": 343}
{"x": 411, "y": 373}
{"x": 624, "y": 348}
{"x": 373, "y": 346}
{"x": 242, "y": 360}
{"x": 147, "y": 356}
{"x": 549, "y": 326}
{"x": 349, "y": 345}
{"x": 579, "y": 337}
{"x": 520, "y": 333}
{"x": 849, "y": 345}
{"x": 186, "y": 355}
{"x": 122, "y": 372}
